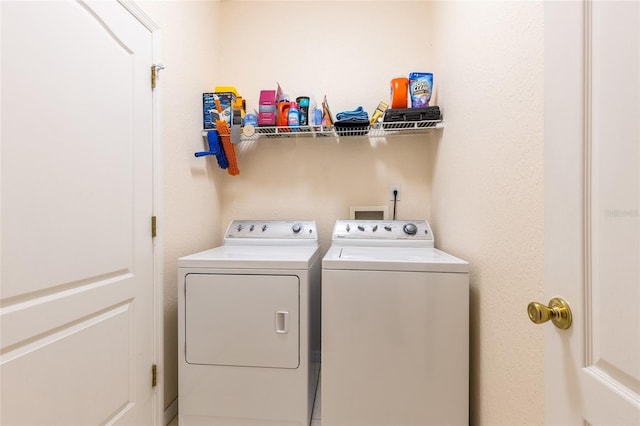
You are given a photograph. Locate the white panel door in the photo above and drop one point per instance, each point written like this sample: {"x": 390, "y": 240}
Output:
{"x": 592, "y": 210}
{"x": 76, "y": 305}
{"x": 242, "y": 320}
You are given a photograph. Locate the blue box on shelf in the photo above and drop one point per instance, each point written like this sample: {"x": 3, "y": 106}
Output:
{"x": 210, "y": 111}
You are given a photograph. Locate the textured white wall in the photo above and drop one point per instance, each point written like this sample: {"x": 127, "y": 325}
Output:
{"x": 192, "y": 206}
{"x": 488, "y": 193}
{"x": 317, "y": 179}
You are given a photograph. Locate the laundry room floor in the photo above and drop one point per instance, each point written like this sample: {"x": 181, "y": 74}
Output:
{"x": 315, "y": 417}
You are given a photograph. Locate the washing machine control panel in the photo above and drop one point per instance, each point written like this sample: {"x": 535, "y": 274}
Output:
{"x": 271, "y": 230}
{"x": 369, "y": 231}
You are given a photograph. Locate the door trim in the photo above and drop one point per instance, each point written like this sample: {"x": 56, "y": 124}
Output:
{"x": 158, "y": 241}
{"x": 587, "y": 171}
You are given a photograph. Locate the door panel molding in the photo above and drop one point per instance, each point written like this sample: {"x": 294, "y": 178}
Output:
{"x": 586, "y": 182}
{"x": 106, "y": 382}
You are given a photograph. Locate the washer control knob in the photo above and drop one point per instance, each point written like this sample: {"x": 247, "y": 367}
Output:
{"x": 361, "y": 228}
{"x": 375, "y": 228}
{"x": 239, "y": 227}
{"x": 252, "y": 228}
{"x": 264, "y": 228}
{"x": 410, "y": 229}
{"x": 348, "y": 228}
{"x": 387, "y": 227}
{"x": 296, "y": 228}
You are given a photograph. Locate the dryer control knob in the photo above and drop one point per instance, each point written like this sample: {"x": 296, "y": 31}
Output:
{"x": 410, "y": 229}
{"x": 296, "y": 228}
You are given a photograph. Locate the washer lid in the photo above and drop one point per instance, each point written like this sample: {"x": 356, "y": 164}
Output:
{"x": 392, "y": 259}
{"x": 252, "y": 257}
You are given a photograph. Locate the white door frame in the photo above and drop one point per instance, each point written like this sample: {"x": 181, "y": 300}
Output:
{"x": 158, "y": 241}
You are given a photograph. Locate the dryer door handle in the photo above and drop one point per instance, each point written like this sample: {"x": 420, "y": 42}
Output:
{"x": 282, "y": 322}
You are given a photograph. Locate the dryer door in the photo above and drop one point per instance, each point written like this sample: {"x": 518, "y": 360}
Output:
{"x": 242, "y": 320}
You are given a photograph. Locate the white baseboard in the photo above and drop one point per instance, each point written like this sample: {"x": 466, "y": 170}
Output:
{"x": 171, "y": 412}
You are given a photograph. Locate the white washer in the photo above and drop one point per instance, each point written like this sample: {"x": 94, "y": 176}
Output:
{"x": 395, "y": 327}
{"x": 249, "y": 327}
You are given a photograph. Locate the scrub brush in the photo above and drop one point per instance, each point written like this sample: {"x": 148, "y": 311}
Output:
{"x": 215, "y": 148}
{"x": 225, "y": 135}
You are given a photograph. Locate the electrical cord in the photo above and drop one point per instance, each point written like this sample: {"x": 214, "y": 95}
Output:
{"x": 395, "y": 201}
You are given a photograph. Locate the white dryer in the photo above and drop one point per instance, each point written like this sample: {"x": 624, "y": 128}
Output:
{"x": 249, "y": 327}
{"x": 395, "y": 327}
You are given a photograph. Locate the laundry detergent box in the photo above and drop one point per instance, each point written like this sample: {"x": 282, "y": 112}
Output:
{"x": 267, "y": 108}
{"x": 209, "y": 111}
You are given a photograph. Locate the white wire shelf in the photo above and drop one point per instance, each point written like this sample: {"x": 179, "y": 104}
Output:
{"x": 373, "y": 131}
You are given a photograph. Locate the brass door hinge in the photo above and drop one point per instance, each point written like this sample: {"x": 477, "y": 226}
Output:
{"x": 154, "y": 375}
{"x": 153, "y": 227}
{"x": 155, "y": 69}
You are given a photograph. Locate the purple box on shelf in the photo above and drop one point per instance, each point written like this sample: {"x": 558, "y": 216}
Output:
{"x": 267, "y": 108}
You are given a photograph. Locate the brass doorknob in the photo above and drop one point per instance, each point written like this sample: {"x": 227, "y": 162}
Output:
{"x": 558, "y": 312}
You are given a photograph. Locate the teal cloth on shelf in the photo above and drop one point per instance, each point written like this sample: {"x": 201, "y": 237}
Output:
{"x": 358, "y": 114}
